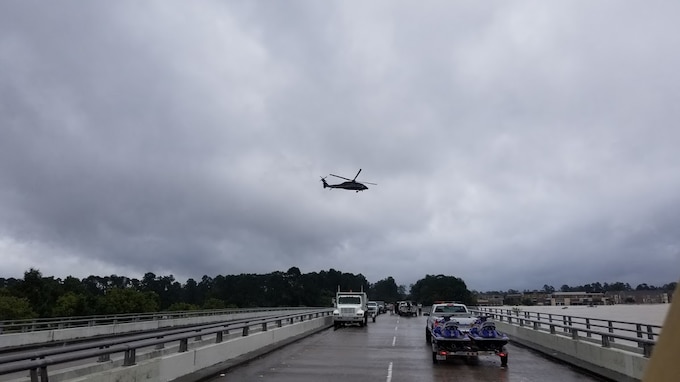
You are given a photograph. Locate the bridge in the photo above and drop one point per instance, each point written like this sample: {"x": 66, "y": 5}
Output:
{"x": 213, "y": 345}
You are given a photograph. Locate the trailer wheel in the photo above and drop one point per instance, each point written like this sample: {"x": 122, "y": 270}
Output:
{"x": 504, "y": 361}
{"x": 428, "y": 336}
{"x": 434, "y": 357}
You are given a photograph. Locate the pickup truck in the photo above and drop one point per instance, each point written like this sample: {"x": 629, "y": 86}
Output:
{"x": 454, "y": 331}
{"x": 373, "y": 309}
{"x": 407, "y": 308}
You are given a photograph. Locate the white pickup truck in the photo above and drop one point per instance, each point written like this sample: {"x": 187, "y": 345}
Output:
{"x": 454, "y": 331}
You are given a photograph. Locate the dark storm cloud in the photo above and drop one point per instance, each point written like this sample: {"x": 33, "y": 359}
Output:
{"x": 514, "y": 144}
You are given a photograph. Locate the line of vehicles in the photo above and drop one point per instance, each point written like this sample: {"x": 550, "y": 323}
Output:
{"x": 451, "y": 329}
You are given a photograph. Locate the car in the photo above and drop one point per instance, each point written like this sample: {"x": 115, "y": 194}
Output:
{"x": 372, "y": 309}
{"x": 381, "y": 307}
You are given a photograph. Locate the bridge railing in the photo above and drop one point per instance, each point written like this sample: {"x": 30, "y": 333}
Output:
{"x": 630, "y": 336}
{"x": 37, "y": 362}
{"x": 37, "y": 324}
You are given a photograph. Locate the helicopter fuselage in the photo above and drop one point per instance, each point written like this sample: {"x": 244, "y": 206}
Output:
{"x": 350, "y": 185}
{"x": 356, "y": 186}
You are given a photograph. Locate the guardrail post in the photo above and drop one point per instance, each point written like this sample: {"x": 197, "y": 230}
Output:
{"x": 104, "y": 357}
{"x": 605, "y": 341}
{"x": 279, "y": 323}
{"x": 650, "y": 333}
{"x": 218, "y": 337}
{"x": 552, "y": 329}
{"x": 183, "y": 345}
{"x": 34, "y": 375}
{"x": 130, "y": 357}
{"x": 574, "y": 334}
{"x": 549, "y": 317}
{"x": 521, "y": 322}
{"x": 264, "y": 326}
{"x": 611, "y": 330}
{"x": 245, "y": 331}
{"x": 647, "y": 349}
{"x": 509, "y": 319}
{"x": 161, "y": 345}
{"x": 588, "y": 334}
{"x": 535, "y": 325}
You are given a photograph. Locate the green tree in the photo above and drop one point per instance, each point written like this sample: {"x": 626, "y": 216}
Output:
{"x": 71, "y": 304}
{"x": 121, "y": 301}
{"x": 15, "y": 308}
{"x": 181, "y": 307}
{"x": 41, "y": 292}
{"x": 440, "y": 288}
{"x": 385, "y": 290}
{"x": 213, "y": 303}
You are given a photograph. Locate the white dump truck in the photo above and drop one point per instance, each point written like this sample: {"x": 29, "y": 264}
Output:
{"x": 350, "y": 308}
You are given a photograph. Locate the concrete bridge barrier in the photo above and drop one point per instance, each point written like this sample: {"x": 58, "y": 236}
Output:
{"x": 209, "y": 359}
{"x": 10, "y": 340}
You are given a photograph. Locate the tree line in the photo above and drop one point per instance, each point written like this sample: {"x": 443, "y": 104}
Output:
{"x": 595, "y": 287}
{"x": 40, "y": 296}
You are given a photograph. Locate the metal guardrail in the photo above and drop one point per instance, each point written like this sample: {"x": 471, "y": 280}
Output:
{"x": 37, "y": 324}
{"x": 37, "y": 362}
{"x": 582, "y": 328}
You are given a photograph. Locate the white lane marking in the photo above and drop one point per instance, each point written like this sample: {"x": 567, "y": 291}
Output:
{"x": 394, "y": 340}
{"x": 389, "y": 372}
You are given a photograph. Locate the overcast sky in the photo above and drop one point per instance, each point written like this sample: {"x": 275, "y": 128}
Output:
{"x": 513, "y": 143}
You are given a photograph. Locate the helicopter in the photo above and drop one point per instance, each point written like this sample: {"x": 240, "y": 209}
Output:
{"x": 350, "y": 184}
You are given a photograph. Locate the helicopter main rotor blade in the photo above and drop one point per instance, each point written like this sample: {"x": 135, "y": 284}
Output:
{"x": 375, "y": 184}
{"x": 341, "y": 177}
{"x": 355, "y": 176}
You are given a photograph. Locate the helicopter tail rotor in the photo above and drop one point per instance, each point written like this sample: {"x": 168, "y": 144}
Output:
{"x": 323, "y": 180}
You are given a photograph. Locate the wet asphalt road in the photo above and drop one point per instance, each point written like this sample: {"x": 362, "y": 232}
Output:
{"x": 391, "y": 349}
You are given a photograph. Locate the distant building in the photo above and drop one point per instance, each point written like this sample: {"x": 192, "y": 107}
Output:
{"x": 577, "y": 298}
{"x": 484, "y": 299}
{"x": 638, "y": 297}
{"x": 537, "y": 298}
{"x": 513, "y": 299}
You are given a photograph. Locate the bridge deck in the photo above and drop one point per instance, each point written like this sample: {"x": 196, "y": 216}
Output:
{"x": 391, "y": 349}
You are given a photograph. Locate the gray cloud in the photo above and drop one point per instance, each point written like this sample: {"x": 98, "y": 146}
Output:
{"x": 514, "y": 144}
